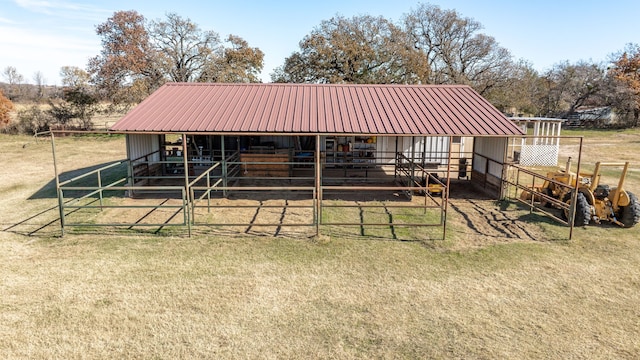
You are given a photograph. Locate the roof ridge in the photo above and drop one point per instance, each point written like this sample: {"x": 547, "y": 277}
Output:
{"x": 314, "y": 85}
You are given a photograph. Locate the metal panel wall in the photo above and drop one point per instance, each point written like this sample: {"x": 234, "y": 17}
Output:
{"x": 489, "y": 148}
{"x": 142, "y": 144}
{"x": 432, "y": 148}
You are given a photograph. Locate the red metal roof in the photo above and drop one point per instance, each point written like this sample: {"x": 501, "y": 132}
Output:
{"x": 317, "y": 109}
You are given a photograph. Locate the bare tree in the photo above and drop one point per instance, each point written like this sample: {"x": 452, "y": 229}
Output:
{"x": 184, "y": 51}
{"x": 571, "y": 86}
{"x": 12, "y": 76}
{"x": 454, "y": 49}
{"x": 15, "y": 80}
{"x": 39, "y": 81}
{"x": 523, "y": 94}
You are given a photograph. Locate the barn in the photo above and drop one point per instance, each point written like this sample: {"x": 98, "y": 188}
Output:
{"x": 326, "y": 140}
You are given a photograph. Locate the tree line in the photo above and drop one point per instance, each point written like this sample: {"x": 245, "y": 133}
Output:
{"x": 428, "y": 45}
{"x": 431, "y": 45}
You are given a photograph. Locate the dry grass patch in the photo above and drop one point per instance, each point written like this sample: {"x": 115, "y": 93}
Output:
{"x": 493, "y": 290}
{"x": 150, "y": 297}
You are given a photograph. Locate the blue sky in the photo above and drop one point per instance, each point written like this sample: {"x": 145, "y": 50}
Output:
{"x": 44, "y": 35}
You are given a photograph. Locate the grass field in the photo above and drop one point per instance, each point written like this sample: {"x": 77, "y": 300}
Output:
{"x": 107, "y": 294}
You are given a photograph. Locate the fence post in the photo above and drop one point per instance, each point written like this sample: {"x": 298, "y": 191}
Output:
{"x": 61, "y": 208}
{"x": 185, "y": 210}
{"x": 209, "y": 190}
{"x": 533, "y": 194}
{"x": 100, "y": 187}
{"x": 192, "y": 204}
{"x": 57, "y": 177}
{"x": 574, "y": 196}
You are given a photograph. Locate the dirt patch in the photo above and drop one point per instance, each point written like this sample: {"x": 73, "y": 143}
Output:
{"x": 486, "y": 222}
{"x": 478, "y": 220}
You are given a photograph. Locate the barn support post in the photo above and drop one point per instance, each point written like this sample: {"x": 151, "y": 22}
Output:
{"x": 185, "y": 159}
{"x": 395, "y": 156}
{"x": 424, "y": 150}
{"x": 473, "y": 157}
{"x": 223, "y": 160}
{"x": 318, "y": 190}
{"x": 57, "y": 177}
{"x": 505, "y": 175}
{"x": 209, "y": 191}
{"x": 130, "y": 180}
{"x": 413, "y": 159}
{"x": 486, "y": 171}
{"x": 446, "y": 193}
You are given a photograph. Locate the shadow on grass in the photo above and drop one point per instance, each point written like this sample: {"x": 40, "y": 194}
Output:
{"x": 107, "y": 176}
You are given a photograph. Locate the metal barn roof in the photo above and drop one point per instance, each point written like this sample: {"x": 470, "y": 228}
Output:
{"x": 455, "y": 110}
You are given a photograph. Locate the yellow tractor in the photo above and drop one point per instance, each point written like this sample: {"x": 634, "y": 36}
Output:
{"x": 595, "y": 202}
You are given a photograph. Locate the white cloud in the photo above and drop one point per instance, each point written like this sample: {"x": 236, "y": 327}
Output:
{"x": 6, "y": 21}
{"x": 64, "y": 9}
{"x": 44, "y": 35}
{"x": 30, "y": 51}
{"x": 39, "y": 40}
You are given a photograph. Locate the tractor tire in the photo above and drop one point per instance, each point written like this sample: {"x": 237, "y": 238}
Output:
{"x": 564, "y": 214}
{"x": 543, "y": 201}
{"x": 583, "y": 210}
{"x": 630, "y": 214}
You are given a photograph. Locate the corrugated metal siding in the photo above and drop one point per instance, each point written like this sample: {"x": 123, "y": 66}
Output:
{"x": 492, "y": 148}
{"x": 431, "y": 148}
{"x": 143, "y": 144}
{"x": 315, "y": 108}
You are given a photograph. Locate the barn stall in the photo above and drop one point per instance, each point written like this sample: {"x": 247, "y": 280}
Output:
{"x": 315, "y": 143}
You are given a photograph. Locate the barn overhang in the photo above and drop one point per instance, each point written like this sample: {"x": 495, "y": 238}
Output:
{"x": 336, "y": 137}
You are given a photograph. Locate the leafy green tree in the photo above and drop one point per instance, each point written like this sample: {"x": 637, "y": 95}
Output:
{"x": 73, "y": 76}
{"x": 32, "y": 120}
{"x": 78, "y": 106}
